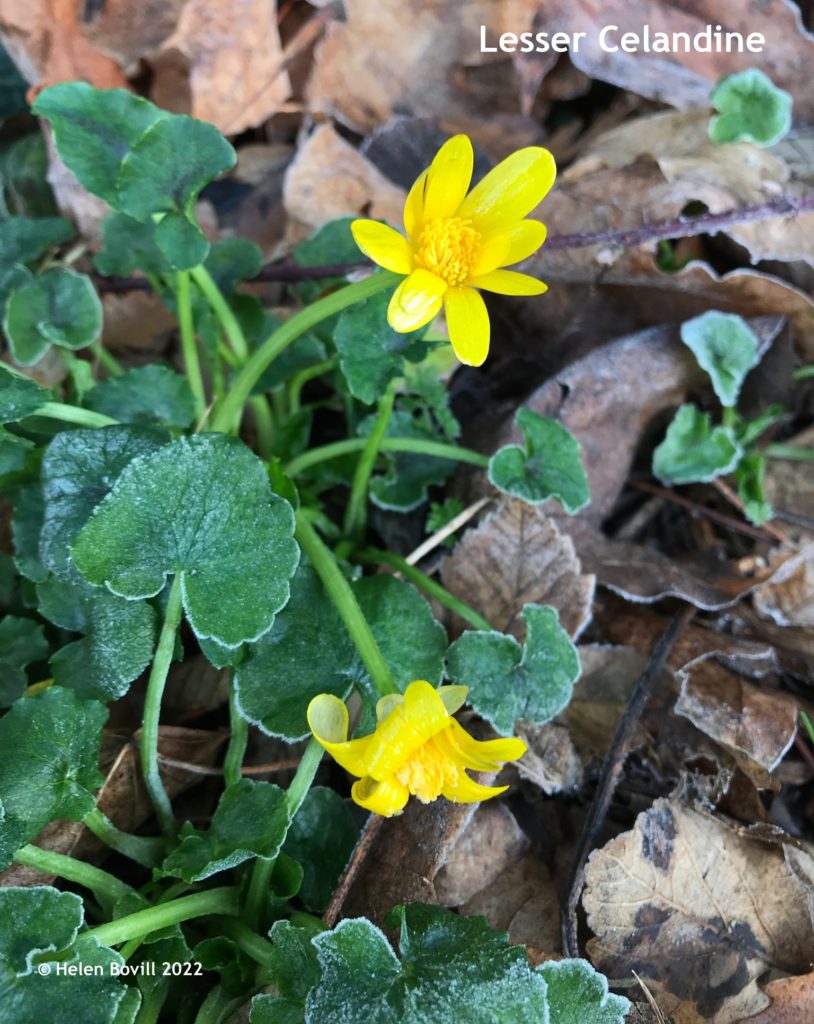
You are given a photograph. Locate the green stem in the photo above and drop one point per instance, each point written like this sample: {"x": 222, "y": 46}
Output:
{"x": 143, "y": 922}
{"x": 152, "y": 709}
{"x": 299, "y": 380}
{"x": 105, "y": 887}
{"x": 390, "y": 444}
{"x": 730, "y": 416}
{"x": 789, "y": 451}
{"x": 144, "y": 850}
{"x": 152, "y": 1000}
{"x": 107, "y": 359}
{"x": 217, "y": 1007}
{"x": 238, "y": 739}
{"x": 222, "y": 310}
{"x": 73, "y": 414}
{"x": 374, "y": 556}
{"x": 356, "y": 511}
{"x": 809, "y": 728}
{"x": 227, "y": 418}
{"x": 264, "y": 421}
{"x": 189, "y": 348}
{"x": 252, "y": 944}
{"x": 340, "y": 593}
{"x": 263, "y": 867}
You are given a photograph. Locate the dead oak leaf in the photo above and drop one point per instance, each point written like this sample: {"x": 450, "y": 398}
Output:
{"x": 516, "y": 556}
{"x": 697, "y": 910}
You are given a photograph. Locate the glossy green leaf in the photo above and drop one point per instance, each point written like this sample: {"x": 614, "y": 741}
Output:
{"x": 55, "y": 738}
{"x": 20, "y": 396}
{"x": 693, "y": 451}
{"x": 371, "y": 353}
{"x": 129, "y": 245}
{"x": 79, "y": 469}
{"x": 181, "y": 242}
{"x": 22, "y": 642}
{"x": 59, "y": 307}
{"x": 29, "y": 510}
{"x": 751, "y": 109}
{"x": 451, "y": 968}
{"x": 33, "y": 920}
{"x": 118, "y": 640}
{"x": 577, "y": 994}
{"x": 26, "y": 239}
{"x": 751, "y": 475}
{"x": 145, "y": 395}
{"x": 202, "y": 507}
{"x": 726, "y": 347}
{"x": 308, "y": 650}
{"x": 167, "y": 167}
{"x": 508, "y": 682}
{"x": 321, "y": 839}
{"x": 250, "y": 820}
{"x": 95, "y": 129}
{"x": 549, "y": 466}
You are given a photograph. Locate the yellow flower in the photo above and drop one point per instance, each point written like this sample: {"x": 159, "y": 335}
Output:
{"x": 456, "y": 242}
{"x": 417, "y": 748}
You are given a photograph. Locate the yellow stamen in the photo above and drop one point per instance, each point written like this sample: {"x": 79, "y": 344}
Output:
{"x": 448, "y": 247}
{"x": 428, "y": 771}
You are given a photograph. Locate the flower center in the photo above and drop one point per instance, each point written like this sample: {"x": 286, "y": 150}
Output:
{"x": 428, "y": 771}
{"x": 448, "y": 247}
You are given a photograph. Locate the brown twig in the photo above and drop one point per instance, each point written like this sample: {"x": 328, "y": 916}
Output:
{"x": 804, "y": 750}
{"x": 609, "y": 777}
{"x": 701, "y": 510}
{"x": 726, "y": 491}
{"x": 357, "y": 858}
{"x": 247, "y": 769}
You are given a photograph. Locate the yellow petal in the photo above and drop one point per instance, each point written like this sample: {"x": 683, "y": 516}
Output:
{"x": 467, "y": 791}
{"x": 493, "y": 253}
{"x": 328, "y": 721}
{"x": 416, "y": 301}
{"x": 508, "y": 282}
{"x": 414, "y": 207}
{"x": 386, "y": 704}
{"x": 479, "y": 755}
{"x": 383, "y": 245}
{"x": 510, "y": 190}
{"x": 454, "y": 697}
{"x": 526, "y": 237}
{"x": 406, "y": 728}
{"x": 448, "y": 178}
{"x": 386, "y": 798}
{"x": 468, "y": 325}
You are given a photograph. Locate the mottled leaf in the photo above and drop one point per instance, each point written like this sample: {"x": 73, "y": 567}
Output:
{"x": 146, "y": 394}
{"x": 59, "y": 307}
{"x": 752, "y": 109}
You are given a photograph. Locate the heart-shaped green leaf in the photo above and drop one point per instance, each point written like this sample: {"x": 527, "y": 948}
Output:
{"x": 693, "y": 451}
{"x": 95, "y": 129}
{"x": 508, "y": 682}
{"x": 577, "y": 994}
{"x": 752, "y": 109}
{"x": 180, "y": 241}
{"x": 55, "y": 738}
{"x": 232, "y": 260}
{"x": 25, "y": 239}
{"x": 201, "y": 507}
{"x": 549, "y": 466}
{"x": 129, "y": 245}
{"x": 146, "y": 394}
{"x": 21, "y": 642}
{"x": 118, "y": 641}
{"x": 308, "y": 650}
{"x": 726, "y": 347}
{"x": 59, "y": 307}
{"x": 20, "y": 396}
{"x": 251, "y": 820}
{"x": 404, "y": 485}
{"x": 36, "y": 919}
{"x": 331, "y": 243}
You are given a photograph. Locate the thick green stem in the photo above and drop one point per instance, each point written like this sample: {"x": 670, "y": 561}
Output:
{"x": 189, "y": 348}
{"x": 238, "y": 739}
{"x": 264, "y": 421}
{"x": 417, "y": 446}
{"x": 374, "y": 556}
{"x": 144, "y": 850}
{"x": 152, "y": 709}
{"x": 789, "y": 451}
{"x": 252, "y": 944}
{"x": 152, "y": 1001}
{"x": 144, "y": 922}
{"x": 107, "y": 359}
{"x": 73, "y": 414}
{"x": 227, "y": 418}
{"x": 356, "y": 511}
{"x": 223, "y": 311}
{"x": 299, "y": 380}
{"x": 104, "y": 886}
{"x": 340, "y": 593}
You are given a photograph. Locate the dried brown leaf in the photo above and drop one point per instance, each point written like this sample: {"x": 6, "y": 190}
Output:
{"x": 789, "y": 601}
{"x": 551, "y": 761}
{"x": 792, "y": 1001}
{"x": 697, "y": 910}
{"x": 517, "y": 556}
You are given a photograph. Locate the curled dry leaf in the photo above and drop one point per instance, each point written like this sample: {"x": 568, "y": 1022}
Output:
{"x": 699, "y": 911}
{"x": 789, "y": 601}
{"x": 330, "y": 179}
{"x": 516, "y": 556}
{"x": 792, "y": 1001}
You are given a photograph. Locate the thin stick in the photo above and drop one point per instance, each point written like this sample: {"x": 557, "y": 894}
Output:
{"x": 730, "y": 495}
{"x": 610, "y": 775}
{"x": 357, "y": 858}
{"x": 431, "y": 543}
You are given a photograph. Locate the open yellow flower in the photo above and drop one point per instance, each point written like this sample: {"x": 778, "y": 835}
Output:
{"x": 457, "y": 243}
{"x": 418, "y": 748}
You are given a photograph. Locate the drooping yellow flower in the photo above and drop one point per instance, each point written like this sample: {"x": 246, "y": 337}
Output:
{"x": 457, "y": 243}
{"x": 417, "y": 748}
